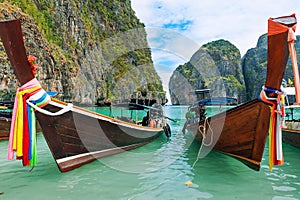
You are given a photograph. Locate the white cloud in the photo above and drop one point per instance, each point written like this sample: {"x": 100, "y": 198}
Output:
{"x": 240, "y": 22}
{"x": 231, "y": 19}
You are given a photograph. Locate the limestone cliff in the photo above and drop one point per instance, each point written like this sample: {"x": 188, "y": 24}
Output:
{"x": 86, "y": 49}
{"x": 215, "y": 66}
{"x": 218, "y": 66}
{"x": 254, "y": 65}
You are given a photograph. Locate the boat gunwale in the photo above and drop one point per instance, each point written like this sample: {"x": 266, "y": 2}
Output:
{"x": 93, "y": 114}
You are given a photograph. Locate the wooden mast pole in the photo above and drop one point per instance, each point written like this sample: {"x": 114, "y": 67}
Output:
{"x": 293, "y": 55}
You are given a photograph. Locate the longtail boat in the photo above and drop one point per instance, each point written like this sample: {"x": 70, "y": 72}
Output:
{"x": 196, "y": 112}
{"x": 291, "y": 129}
{"x": 291, "y": 126}
{"x": 75, "y": 136}
{"x": 5, "y": 124}
{"x": 5, "y": 119}
{"x": 241, "y": 132}
{"x": 4, "y": 128}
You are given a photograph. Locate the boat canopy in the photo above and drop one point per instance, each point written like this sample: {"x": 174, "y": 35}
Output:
{"x": 289, "y": 90}
{"x": 134, "y": 106}
{"x": 218, "y": 101}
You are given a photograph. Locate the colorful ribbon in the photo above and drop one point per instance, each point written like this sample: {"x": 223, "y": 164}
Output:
{"x": 277, "y": 104}
{"x": 276, "y": 123}
{"x": 22, "y": 139}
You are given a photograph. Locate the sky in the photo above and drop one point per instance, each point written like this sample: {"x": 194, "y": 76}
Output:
{"x": 176, "y": 29}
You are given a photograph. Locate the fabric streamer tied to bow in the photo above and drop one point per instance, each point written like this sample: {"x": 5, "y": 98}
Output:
{"x": 22, "y": 138}
{"x": 276, "y": 124}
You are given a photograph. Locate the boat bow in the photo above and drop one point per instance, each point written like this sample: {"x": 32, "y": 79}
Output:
{"x": 241, "y": 132}
{"x": 74, "y": 135}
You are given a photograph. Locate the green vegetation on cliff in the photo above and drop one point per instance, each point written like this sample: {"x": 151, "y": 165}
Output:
{"x": 90, "y": 41}
{"x": 215, "y": 66}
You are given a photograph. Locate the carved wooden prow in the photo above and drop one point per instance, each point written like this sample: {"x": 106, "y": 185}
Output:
{"x": 12, "y": 39}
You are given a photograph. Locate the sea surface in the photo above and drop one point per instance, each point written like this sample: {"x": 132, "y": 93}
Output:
{"x": 166, "y": 168}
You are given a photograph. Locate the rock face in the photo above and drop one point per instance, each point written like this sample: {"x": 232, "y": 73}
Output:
{"x": 215, "y": 66}
{"x": 218, "y": 66}
{"x": 254, "y": 65}
{"x": 86, "y": 50}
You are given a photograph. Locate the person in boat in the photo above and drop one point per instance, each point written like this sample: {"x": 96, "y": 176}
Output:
{"x": 194, "y": 115}
{"x": 153, "y": 121}
{"x": 190, "y": 116}
{"x": 145, "y": 121}
{"x": 155, "y": 116}
{"x": 201, "y": 113}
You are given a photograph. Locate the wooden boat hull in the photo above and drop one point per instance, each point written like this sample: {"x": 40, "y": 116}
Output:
{"x": 291, "y": 131}
{"x": 79, "y": 137}
{"x": 239, "y": 132}
{"x": 5, "y": 120}
{"x": 4, "y": 128}
{"x": 192, "y": 127}
{"x": 291, "y": 134}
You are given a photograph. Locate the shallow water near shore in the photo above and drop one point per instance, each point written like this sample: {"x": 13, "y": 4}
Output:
{"x": 158, "y": 170}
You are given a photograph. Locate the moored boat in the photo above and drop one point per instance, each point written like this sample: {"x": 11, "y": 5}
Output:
{"x": 291, "y": 125}
{"x": 5, "y": 123}
{"x": 5, "y": 119}
{"x": 148, "y": 98}
{"x": 291, "y": 133}
{"x": 241, "y": 132}
{"x": 197, "y": 111}
{"x": 5, "y": 112}
{"x": 4, "y": 128}
{"x": 75, "y": 136}
{"x": 291, "y": 130}
{"x": 7, "y": 104}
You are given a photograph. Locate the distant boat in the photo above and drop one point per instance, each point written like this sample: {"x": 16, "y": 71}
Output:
{"x": 5, "y": 119}
{"x": 197, "y": 111}
{"x": 74, "y": 135}
{"x": 6, "y": 115}
{"x": 241, "y": 132}
{"x": 291, "y": 131}
{"x": 7, "y": 104}
{"x": 148, "y": 98}
{"x": 5, "y": 112}
{"x": 5, "y": 123}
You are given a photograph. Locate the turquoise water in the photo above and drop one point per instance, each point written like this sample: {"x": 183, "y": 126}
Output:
{"x": 292, "y": 113}
{"x": 158, "y": 170}
{"x": 117, "y": 112}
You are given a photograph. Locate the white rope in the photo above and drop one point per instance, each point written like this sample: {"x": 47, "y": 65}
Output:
{"x": 46, "y": 112}
{"x": 64, "y": 109}
{"x": 204, "y": 135}
{"x": 203, "y": 138}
